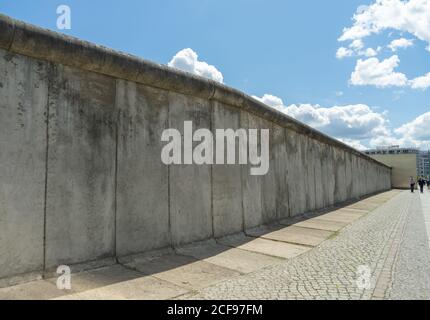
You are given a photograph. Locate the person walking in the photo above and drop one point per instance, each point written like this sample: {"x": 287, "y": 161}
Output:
{"x": 428, "y": 182}
{"x": 421, "y": 183}
{"x": 412, "y": 183}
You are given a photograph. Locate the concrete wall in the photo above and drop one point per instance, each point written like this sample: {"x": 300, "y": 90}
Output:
{"x": 80, "y": 168}
{"x": 403, "y": 166}
{"x": 23, "y": 105}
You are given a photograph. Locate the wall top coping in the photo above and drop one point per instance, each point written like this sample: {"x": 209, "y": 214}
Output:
{"x": 43, "y": 44}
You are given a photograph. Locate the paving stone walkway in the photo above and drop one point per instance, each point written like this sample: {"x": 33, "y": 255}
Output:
{"x": 411, "y": 269}
{"x": 376, "y": 248}
{"x": 391, "y": 242}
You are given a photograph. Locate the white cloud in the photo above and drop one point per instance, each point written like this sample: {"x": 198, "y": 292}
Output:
{"x": 353, "y": 122}
{"x": 355, "y": 49}
{"x": 357, "y": 44}
{"x": 369, "y": 52}
{"x": 313, "y": 115}
{"x": 402, "y": 141}
{"x": 271, "y": 101}
{"x": 357, "y": 125}
{"x": 343, "y": 52}
{"x": 386, "y": 140}
{"x": 415, "y": 133}
{"x": 356, "y": 144}
{"x": 400, "y": 43}
{"x": 405, "y": 16}
{"x": 187, "y": 60}
{"x": 421, "y": 82}
{"x": 381, "y": 74}
{"x": 378, "y": 73}
{"x": 416, "y": 130}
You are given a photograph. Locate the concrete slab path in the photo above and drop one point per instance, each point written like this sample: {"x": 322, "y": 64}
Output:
{"x": 197, "y": 269}
{"x": 425, "y": 204}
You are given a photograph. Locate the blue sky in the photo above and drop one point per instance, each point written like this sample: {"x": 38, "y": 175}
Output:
{"x": 282, "y": 48}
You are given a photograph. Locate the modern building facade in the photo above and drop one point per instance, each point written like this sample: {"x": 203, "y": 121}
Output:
{"x": 424, "y": 164}
{"x": 405, "y": 163}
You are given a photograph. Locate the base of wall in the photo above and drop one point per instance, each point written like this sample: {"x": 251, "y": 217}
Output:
{"x": 20, "y": 279}
{"x": 52, "y": 272}
{"x": 149, "y": 255}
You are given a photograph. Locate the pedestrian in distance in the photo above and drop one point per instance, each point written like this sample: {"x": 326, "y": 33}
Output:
{"x": 421, "y": 183}
{"x": 412, "y": 183}
{"x": 428, "y": 183}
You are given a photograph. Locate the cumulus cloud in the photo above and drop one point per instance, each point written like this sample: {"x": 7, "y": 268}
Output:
{"x": 416, "y": 130}
{"x": 415, "y": 133}
{"x": 356, "y": 144}
{"x": 378, "y": 73}
{"x": 353, "y": 122}
{"x": 356, "y": 48}
{"x": 343, "y": 52}
{"x": 313, "y": 115}
{"x": 271, "y": 101}
{"x": 357, "y": 121}
{"x": 357, "y": 125}
{"x": 357, "y": 44}
{"x": 381, "y": 74}
{"x": 405, "y": 16}
{"x": 401, "y": 43}
{"x": 420, "y": 82}
{"x": 187, "y": 60}
{"x": 370, "y": 52}
{"x": 386, "y": 140}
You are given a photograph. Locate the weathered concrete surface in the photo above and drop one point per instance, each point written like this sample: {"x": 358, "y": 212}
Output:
{"x": 313, "y": 163}
{"x": 227, "y": 179}
{"x": 80, "y": 194}
{"x": 142, "y": 217}
{"x": 318, "y": 175}
{"x": 264, "y": 246}
{"x": 184, "y": 271}
{"x": 87, "y": 156}
{"x": 292, "y": 234}
{"x": 278, "y": 161}
{"x": 251, "y": 185}
{"x": 37, "y": 290}
{"x": 23, "y": 107}
{"x": 190, "y": 185}
{"x": 363, "y": 205}
{"x": 142, "y": 288}
{"x": 269, "y": 194}
{"x": 316, "y": 223}
{"x": 118, "y": 282}
{"x": 295, "y": 174}
{"x": 340, "y": 217}
{"x": 108, "y": 283}
{"x": 231, "y": 258}
{"x": 340, "y": 176}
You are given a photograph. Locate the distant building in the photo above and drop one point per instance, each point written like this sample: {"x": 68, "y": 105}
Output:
{"x": 424, "y": 164}
{"x": 405, "y": 162}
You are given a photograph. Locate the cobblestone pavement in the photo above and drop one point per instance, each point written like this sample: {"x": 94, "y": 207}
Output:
{"x": 380, "y": 251}
{"x": 412, "y": 267}
{"x": 390, "y": 244}
{"x": 425, "y": 203}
